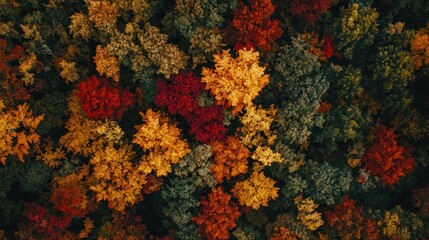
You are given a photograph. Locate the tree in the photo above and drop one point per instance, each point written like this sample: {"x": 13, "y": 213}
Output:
{"x": 230, "y": 159}
{"x": 307, "y": 213}
{"x": 347, "y": 221}
{"x": 162, "y": 141}
{"x": 355, "y": 29}
{"x": 217, "y": 216}
{"x": 255, "y": 191}
{"x": 308, "y": 11}
{"x": 386, "y": 159}
{"x": 252, "y": 27}
{"x": 116, "y": 179}
{"x": 17, "y": 131}
{"x": 101, "y": 99}
{"x": 235, "y": 82}
{"x": 420, "y": 47}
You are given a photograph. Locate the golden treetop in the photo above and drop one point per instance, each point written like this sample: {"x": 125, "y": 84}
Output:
{"x": 17, "y": 131}
{"x": 162, "y": 140}
{"x": 307, "y": 213}
{"x": 255, "y": 191}
{"x": 235, "y": 82}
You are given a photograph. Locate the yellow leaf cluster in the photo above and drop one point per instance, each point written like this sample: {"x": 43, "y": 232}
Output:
{"x": 51, "y": 156}
{"x": 391, "y": 223}
{"x": 80, "y": 26}
{"x": 266, "y": 156}
{"x": 162, "y": 140}
{"x": 117, "y": 180}
{"x": 68, "y": 71}
{"x": 17, "y": 131}
{"x": 86, "y": 136}
{"x": 26, "y": 66}
{"x": 307, "y": 214}
{"x": 235, "y": 82}
{"x": 256, "y": 126}
{"x": 106, "y": 64}
{"x": 103, "y": 13}
{"x": 256, "y": 191}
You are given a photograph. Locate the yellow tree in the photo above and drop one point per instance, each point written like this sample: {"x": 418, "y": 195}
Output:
{"x": 116, "y": 180}
{"x": 17, "y": 131}
{"x": 307, "y": 213}
{"x": 256, "y": 191}
{"x": 235, "y": 82}
{"x": 161, "y": 140}
{"x": 256, "y": 126}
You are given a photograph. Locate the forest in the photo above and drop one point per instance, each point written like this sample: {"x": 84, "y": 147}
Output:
{"x": 214, "y": 119}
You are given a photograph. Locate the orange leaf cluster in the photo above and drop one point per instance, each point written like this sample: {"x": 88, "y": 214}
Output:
{"x": 235, "y": 82}
{"x": 420, "y": 47}
{"x": 218, "y": 215}
{"x": 386, "y": 159}
{"x": 283, "y": 233}
{"x": 253, "y": 26}
{"x": 230, "y": 159}
{"x": 348, "y": 222}
{"x": 17, "y": 131}
{"x": 69, "y": 195}
{"x": 162, "y": 140}
{"x": 256, "y": 191}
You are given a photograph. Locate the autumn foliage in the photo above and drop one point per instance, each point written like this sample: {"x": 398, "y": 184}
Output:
{"x": 101, "y": 99}
{"x": 17, "y": 131}
{"x": 217, "y": 216}
{"x": 349, "y": 222}
{"x": 253, "y": 27}
{"x": 308, "y": 10}
{"x": 180, "y": 95}
{"x": 230, "y": 158}
{"x": 255, "y": 191}
{"x": 387, "y": 159}
{"x": 161, "y": 140}
{"x": 235, "y": 82}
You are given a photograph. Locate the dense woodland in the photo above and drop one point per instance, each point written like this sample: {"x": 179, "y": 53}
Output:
{"x": 214, "y": 119}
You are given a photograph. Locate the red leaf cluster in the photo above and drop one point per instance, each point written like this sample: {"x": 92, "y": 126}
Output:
{"x": 43, "y": 224}
{"x": 252, "y": 27}
{"x": 101, "y": 99}
{"x": 308, "y": 10}
{"x": 180, "y": 97}
{"x": 348, "y": 221}
{"x": 68, "y": 199}
{"x": 9, "y": 69}
{"x": 329, "y": 48}
{"x": 386, "y": 159}
{"x": 218, "y": 215}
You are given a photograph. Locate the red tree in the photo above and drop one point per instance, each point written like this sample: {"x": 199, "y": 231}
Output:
{"x": 43, "y": 224}
{"x": 218, "y": 215}
{"x": 386, "y": 159}
{"x": 252, "y": 27}
{"x": 206, "y": 124}
{"x": 348, "y": 221}
{"x": 180, "y": 94}
{"x": 9, "y": 69}
{"x": 308, "y": 10}
{"x": 180, "y": 97}
{"x": 101, "y": 99}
